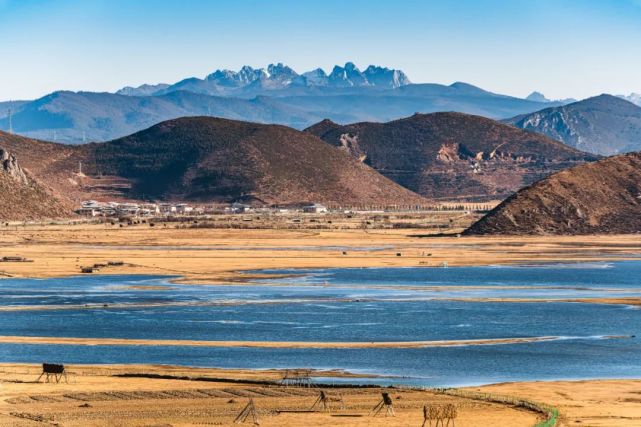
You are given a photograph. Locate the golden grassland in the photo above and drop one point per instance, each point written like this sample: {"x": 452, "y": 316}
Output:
{"x": 227, "y": 256}
{"x": 96, "y": 396}
{"x": 108, "y": 395}
{"x": 595, "y": 403}
{"x": 202, "y": 255}
{"x": 6, "y": 339}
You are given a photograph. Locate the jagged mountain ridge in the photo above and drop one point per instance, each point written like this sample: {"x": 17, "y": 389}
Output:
{"x": 449, "y": 156}
{"x": 603, "y": 197}
{"x": 250, "y": 81}
{"x": 604, "y": 124}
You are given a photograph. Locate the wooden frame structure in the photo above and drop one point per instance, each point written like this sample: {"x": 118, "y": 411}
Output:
{"x": 297, "y": 378}
{"x": 249, "y": 409}
{"x": 323, "y": 402}
{"x": 440, "y": 414}
{"x": 385, "y": 402}
{"x": 53, "y": 371}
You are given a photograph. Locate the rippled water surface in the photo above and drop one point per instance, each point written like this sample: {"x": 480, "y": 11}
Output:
{"x": 346, "y": 305}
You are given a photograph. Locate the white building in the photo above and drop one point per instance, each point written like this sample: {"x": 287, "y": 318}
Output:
{"x": 127, "y": 209}
{"x": 183, "y": 209}
{"x": 166, "y": 208}
{"x": 91, "y": 204}
{"x": 240, "y": 208}
{"x": 315, "y": 208}
{"x": 149, "y": 209}
{"x": 88, "y": 211}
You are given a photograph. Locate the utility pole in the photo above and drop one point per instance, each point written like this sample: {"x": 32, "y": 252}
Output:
{"x": 10, "y": 119}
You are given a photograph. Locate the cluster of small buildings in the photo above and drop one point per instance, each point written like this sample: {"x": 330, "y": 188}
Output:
{"x": 243, "y": 208}
{"x": 93, "y": 208}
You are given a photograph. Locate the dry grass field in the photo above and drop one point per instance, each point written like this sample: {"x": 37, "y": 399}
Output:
{"x": 95, "y": 396}
{"x": 220, "y": 255}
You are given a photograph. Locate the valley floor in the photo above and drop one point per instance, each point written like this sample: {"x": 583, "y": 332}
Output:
{"x": 94, "y": 396}
{"x": 101, "y": 396}
{"x": 201, "y": 255}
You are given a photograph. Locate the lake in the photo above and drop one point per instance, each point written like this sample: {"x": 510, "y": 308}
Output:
{"x": 347, "y": 305}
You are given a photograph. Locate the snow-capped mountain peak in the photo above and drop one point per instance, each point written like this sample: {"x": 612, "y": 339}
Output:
{"x": 634, "y": 98}
{"x": 252, "y": 81}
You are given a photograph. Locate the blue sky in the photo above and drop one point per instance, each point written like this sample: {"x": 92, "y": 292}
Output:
{"x": 564, "y": 48}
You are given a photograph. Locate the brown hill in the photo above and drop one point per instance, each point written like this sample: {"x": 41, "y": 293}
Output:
{"x": 22, "y": 197}
{"x": 452, "y": 155}
{"x": 597, "y": 198}
{"x": 207, "y": 159}
{"x": 48, "y": 162}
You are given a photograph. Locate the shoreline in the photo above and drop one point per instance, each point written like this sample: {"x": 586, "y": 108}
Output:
{"x": 164, "y": 391}
{"x": 165, "y": 394}
{"x": 283, "y": 344}
{"x": 272, "y": 376}
{"x": 57, "y": 252}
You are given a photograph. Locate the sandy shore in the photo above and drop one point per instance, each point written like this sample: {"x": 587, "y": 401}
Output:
{"x": 611, "y": 403}
{"x": 220, "y": 256}
{"x": 129, "y": 395}
{"x": 276, "y": 344}
{"x": 100, "y": 396}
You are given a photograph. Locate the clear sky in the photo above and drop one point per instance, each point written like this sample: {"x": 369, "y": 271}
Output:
{"x": 563, "y": 48}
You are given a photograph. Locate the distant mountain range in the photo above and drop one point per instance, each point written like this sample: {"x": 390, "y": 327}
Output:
{"x": 539, "y": 97}
{"x": 205, "y": 159}
{"x": 634, "y": 98}
{"x": 276, "y": 94}
{"x": 597, "y": 198}
{"x": 603, "y": 124}
{"x": 445, "y": 156}
{"x": 250, "y": 82}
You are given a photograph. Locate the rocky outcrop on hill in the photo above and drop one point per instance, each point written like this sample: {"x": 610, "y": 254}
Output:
{"x": 603, "y": 197}
{"x": 452, "y": 156}
{"x": 9, "y": 166}
{"x": 22, "y": 198}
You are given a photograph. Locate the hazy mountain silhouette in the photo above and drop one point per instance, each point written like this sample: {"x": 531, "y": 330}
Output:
{"x": 603, "y": 124}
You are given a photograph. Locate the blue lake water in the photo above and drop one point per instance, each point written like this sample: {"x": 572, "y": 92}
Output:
{"x": 383, "y": 304}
